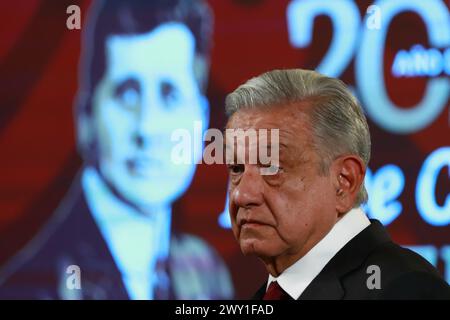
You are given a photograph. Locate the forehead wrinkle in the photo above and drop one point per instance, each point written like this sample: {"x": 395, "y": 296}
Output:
{"x": 291, "y": 119}
{"x": 245, "y": 117}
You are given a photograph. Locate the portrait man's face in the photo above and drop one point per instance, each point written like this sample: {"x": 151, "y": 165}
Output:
{"x": 284, "y": 214}
{"x": 147, "y": 92}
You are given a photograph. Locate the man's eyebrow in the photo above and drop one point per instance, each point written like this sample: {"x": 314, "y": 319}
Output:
{"x": 280, "y": 144}
{"x": 281, "y": 147}
{"x": 126, "y": 83}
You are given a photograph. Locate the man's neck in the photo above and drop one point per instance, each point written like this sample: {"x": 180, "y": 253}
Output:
{"x": 103, "y": 202}
{"x": 276, "y": 265}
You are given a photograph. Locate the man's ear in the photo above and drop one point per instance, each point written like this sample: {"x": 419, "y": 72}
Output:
{"x": 84, "y": 134}
{"x": 204, "y": 103}
{"x": 348, "y": 176}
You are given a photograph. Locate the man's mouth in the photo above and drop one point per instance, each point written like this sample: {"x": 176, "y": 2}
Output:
{"x": 252, "y": 223}
{"x": 144, "y": 166}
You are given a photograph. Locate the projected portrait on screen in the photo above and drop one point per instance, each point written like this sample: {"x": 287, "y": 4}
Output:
{"x": 143, "y": 73}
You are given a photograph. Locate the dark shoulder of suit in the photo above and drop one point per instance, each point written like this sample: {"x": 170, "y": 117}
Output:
{"x": 371, "y": 266}
{"x": 70, "y": 237}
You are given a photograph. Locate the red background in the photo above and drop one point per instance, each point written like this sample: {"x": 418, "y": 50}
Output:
{"x": 38, "y": 68}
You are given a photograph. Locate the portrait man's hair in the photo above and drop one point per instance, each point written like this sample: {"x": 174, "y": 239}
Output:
{"x": 120, "y": 17}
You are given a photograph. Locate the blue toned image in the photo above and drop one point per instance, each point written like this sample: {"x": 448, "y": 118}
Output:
{"x": 143, "y": 74}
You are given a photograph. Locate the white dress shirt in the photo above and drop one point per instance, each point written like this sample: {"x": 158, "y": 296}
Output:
{"x": 136, "y": 241}
{"x": 295, "y": 279}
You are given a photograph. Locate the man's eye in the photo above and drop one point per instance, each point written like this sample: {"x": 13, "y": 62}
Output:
{"x": 128, "y": 93}
{"x": 236, "y": 168}
{"x": 130, "y": 97}
{"x": 270, "y": 170}
{"x": 169, "y": 93}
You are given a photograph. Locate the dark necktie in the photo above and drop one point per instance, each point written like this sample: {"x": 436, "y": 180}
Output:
{"x": 275, "y": 292}
{"x": 162, "y": 287}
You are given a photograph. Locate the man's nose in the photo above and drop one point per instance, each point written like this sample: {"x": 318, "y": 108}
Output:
{"x": 148, "y": 123}
{"x": 140, "y": 140}
{"x": 249, "y": 192}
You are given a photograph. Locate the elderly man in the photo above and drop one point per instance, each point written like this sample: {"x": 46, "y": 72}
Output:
{"x": 305, "y": 221}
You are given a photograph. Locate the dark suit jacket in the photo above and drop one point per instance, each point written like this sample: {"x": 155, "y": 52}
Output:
{"x": 72, "y": 237}
{"x": 403, "y": 273}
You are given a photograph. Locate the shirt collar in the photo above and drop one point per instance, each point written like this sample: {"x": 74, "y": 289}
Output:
{"x": 295, "y": 279}
{"x": 136, "y": 241}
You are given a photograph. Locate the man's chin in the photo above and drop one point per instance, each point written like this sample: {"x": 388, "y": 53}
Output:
{"x": 255, "y": 247}
{"x": 148, "y": 195}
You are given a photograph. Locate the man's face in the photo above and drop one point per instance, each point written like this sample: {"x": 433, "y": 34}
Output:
{"x": 280, "y": 216}
{"x": 148, "y": 91}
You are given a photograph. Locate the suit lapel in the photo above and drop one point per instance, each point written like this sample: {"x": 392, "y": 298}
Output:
{"x": 328, "y": 285}
{"x": 260, "y": 293}
{"x": 100, "y": 275}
